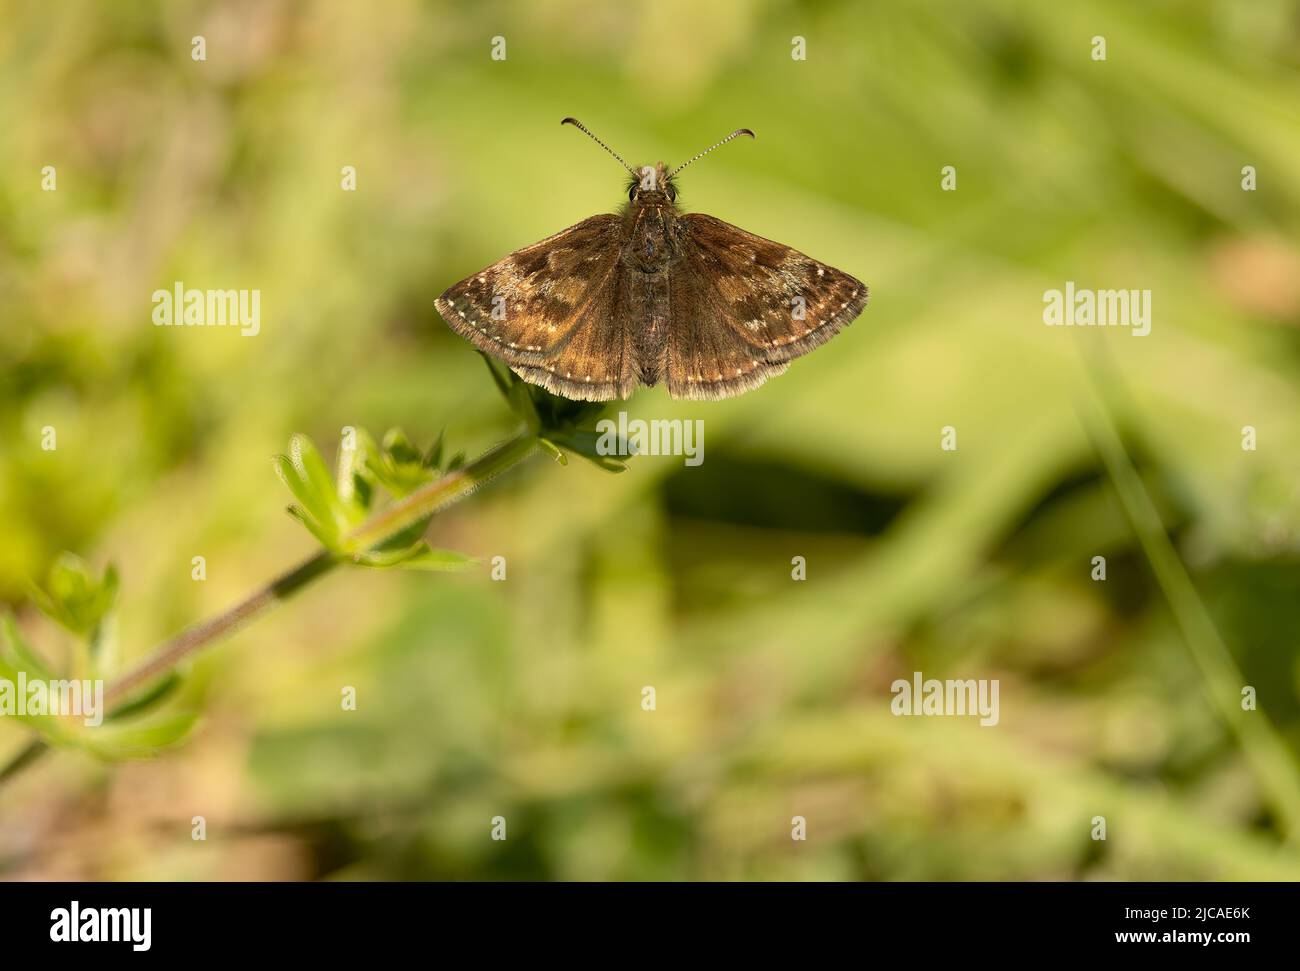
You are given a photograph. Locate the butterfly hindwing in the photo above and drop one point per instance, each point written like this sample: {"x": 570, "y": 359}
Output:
{"x": 595, "y": 361}
{"x": 707, "y": 358}
{"x": 552, "y": 312}
{"x": 743, "y": 307}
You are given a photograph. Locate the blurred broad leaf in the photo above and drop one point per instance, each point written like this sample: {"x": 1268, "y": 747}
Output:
{"x": 74, "y": 597}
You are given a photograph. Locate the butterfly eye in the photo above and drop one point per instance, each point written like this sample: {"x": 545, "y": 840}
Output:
{"x": 672, "y": 192}
{"x": 631, "y": 192}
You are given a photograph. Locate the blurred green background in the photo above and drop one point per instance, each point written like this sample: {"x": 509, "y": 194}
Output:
{"x": 523, "y": 698}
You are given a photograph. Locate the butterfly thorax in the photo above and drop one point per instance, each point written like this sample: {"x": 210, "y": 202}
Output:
{"x": 650, "y": 229}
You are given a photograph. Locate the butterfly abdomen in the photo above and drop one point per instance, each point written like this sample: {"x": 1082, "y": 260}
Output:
{"x": 650, "y": 315}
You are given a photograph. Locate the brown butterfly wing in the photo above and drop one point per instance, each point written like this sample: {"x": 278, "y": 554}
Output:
{"x": 554, "y": 311}
{"x": 744, "y": 307}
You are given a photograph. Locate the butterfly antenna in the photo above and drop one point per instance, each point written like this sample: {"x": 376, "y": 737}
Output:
{"x": 735, "y": 134}
{"x": 583, "y": 128}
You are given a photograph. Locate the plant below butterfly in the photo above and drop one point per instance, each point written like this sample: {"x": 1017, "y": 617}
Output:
{"x": 371, "y": 511}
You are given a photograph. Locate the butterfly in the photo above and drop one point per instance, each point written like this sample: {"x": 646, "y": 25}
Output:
{"x": 649, "y": 294}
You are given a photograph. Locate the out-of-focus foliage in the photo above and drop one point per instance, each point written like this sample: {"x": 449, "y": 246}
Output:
{"x": 331, "y": 507}
{"x": 69, "y": 711}
{"x": 521, "y": 698}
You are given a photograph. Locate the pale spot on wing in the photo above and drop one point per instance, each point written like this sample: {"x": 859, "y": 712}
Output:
{"x": 569, "y": 289}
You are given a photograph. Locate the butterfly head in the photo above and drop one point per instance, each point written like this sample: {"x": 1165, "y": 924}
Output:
{"x": 652, "y": 184}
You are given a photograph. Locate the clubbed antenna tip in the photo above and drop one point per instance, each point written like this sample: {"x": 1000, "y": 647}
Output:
{"x": 735, "y": 134}
{"x": 583, "y": 128}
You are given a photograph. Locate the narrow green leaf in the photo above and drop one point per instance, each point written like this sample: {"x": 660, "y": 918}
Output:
{"x": 55, "y": 730}
{"x": 115, "y": 741}
{"x": 554, "y": 451}
{"x": 326, "y": 539}
{"x": 323, "y": 499}
{"x": 18, "y": 650}
{"x": 584, "y": 443}
{"x": 439, "y": 560}
{"x": 74, "y": 597}
{"x": 419, "y": 556}
{"x": 433, "y": 459}
{"x": 500, "y": 375}
{"x": 298, "y": 485}
{"x": 149, "y": 698}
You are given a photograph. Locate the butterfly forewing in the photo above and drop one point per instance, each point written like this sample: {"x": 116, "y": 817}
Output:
{"x": 553, "y": 311}
{"x": 774, "y": 303}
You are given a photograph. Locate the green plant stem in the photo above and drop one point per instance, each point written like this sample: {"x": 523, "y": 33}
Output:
{"x": 171, "y": 653}
{"x": 33, "y": 751}
{"x": 442, "y": 492}
{"x": 401, "y": 515}
{"x": 1264, "y": 750}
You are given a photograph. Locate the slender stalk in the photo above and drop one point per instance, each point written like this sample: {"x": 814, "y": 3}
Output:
{"x": 34, "y": 750}
{"x": 443, "y": 492}
{"x": 400, "y": 515}
{"x": 172, "y": 652}
{"x": 1265, "y": 752}
{"x": 414, "y": 508}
